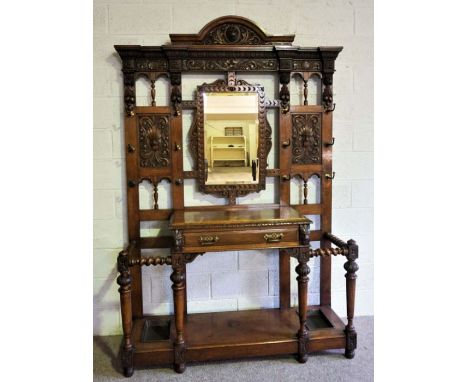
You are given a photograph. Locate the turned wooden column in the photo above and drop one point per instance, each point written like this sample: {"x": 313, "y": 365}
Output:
{"x": 351, "y": 269}
{"x": 178, "y": 287}
{"x": 302, "y": 271}
{"x": 125, "y": 290}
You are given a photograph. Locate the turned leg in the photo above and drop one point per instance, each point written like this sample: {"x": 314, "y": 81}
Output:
{"x": 125, "y": 290}
{"x": 284, "y": 279}
{"x": 351, "y": 268}
{"x": 178, "y": 287}
{"x": 302, "y": 271}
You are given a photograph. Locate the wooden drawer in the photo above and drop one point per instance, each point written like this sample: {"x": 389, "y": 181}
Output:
{"x": 275, "y": 237}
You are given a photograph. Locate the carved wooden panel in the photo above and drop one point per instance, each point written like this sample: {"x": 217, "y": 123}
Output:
{"x": 239, "y": 64}
{"x": 231, "y": 30}
{"x": 307, "y": 138}
{"x": 153, "y": 137}
{"x": 231, "y": 33}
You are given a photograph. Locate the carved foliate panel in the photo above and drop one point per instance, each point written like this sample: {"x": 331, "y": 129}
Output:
{"x": 230, "y": 64}
{"x": 230, "y": 34}
{"x": 307, "y": 138}
{"x": 153, "y": 137}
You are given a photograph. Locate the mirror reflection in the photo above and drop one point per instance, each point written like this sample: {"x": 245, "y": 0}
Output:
{"x": 231, "y": 137}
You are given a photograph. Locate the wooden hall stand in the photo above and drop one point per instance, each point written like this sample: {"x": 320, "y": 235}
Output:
{"x": 153, "y": 141}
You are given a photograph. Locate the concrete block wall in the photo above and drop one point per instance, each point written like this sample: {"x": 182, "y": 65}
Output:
{"x": 244, "y": 279}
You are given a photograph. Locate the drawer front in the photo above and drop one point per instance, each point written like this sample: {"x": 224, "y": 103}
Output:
{"x": 276, "y": 237}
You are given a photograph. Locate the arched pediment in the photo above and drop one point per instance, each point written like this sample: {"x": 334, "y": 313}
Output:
{"x": 231, "y": 30}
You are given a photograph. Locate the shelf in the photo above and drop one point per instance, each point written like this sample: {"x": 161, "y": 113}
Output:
{"x": 227, "y": 147}
{"x": 227, "y": 335}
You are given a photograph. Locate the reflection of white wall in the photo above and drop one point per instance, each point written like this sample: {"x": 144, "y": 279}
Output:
{"x": 215, "y": 128}
{"x": 252, "y": 141}
{"x": 237, "y": 103}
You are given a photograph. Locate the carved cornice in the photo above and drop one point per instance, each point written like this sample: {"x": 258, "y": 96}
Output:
{"x": 266, "y": 58}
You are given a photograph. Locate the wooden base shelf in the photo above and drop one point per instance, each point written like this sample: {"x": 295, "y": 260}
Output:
{"x": 241, "y": 334}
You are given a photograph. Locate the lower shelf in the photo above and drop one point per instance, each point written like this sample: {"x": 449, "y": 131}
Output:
{"x": 229, "y": 335}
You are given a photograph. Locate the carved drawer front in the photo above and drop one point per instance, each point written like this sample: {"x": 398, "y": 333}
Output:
{"x": 275, "y": 237}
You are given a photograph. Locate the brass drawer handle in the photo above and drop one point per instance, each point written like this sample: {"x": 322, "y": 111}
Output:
{"x": 273, "y": 237}
{"x": 208, "y": 240}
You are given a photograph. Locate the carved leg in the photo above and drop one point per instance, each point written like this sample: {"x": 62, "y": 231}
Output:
{"x": 351, "y": 268}
{"x": 302, "y": 280}
{"x": 125, "y": 290}
{"x": 178, "y": 287}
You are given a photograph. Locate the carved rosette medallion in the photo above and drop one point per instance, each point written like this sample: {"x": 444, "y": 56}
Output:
{"x": 232, "y": 34}
{"x": 306, "y": 135}
{"x": 153, "y": 133}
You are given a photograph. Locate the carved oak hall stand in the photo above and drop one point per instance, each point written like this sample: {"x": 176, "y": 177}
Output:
{"x": 153, "y": 141}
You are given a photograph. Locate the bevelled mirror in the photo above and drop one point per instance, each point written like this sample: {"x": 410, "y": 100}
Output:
{"x": 230, "y": 138}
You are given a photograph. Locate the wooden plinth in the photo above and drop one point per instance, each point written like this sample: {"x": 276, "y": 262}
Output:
{"x": 230, "y": 335}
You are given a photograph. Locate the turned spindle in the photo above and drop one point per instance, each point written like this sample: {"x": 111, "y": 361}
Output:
{"x": 305, "y": 191}
{"x": 153, "y": 93}
{"x": 125, "y": 280}
{"x": 306, "y": 92}
{"x": 302, "y": 271}
{"x": 178, "y": 288}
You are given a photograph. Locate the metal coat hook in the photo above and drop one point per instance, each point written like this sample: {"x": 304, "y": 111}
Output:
{"x": 328, "y": 176}
{"x": 330, "y": 143}
{"x": 328, "y": 110}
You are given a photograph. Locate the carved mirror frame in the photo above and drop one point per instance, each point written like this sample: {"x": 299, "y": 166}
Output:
{"x": 197, "y": 144}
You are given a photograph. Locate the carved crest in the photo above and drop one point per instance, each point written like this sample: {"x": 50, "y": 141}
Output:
{"x": 237, "y": 34}
{"x": 306, "y": 135}
{"x": 231, "y": 30}
{"x": 153, "y": 132}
